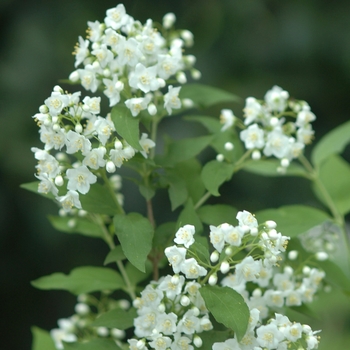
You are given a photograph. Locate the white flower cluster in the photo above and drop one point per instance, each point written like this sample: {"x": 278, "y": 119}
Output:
{"x": 79, "y": 326}
{"x": 277, "y": 126}
{"x": 172, "y": 311}
{"x": 71, "y": 127}
{"x": 279, "y": 333}
{"x": 126, "y": 59}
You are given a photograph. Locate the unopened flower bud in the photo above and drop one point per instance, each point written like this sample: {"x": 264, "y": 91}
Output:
{"x": 169, "y": 20}
{"x": 256, "y": 155}
{"x": 285, "y": 163}
{"x": 321, "y": 256}
{"x": 118, "y": 145}
{"x": 187, "y": 103}
{"x": 102, "y": 331}
{"x": 175, "y": 280}
{"x": 140, "y": 344}
{"x": 197, "y": 341}
{"x": 110, "y": 167}
{"x": 59, "y": 180}
{"x": 161, "y": 82}
{"x": 196, "y": 74}
{"x": 82, "y": 309}
{"x": 185, "y": 300}
{"x": 117, "y": 333}
{"x": 181, "y": 77}
{"x": 119, "y": 86}
{"x": 270, "y": 224}
{"x": 293, "y": 254}
{"x": 213, "y": 279}
{"x": 214, "y": 256}
{"x": 224, "y": 267}
{"x": 220, "y": 157}
{"x": 273, "y": 234}
{"x": 229, "y": 146}
{"x": 257, "y": 293}
{"x": 43, "y": 109}
{"x": 152, "y": 109}
{"x": 71, "y": 223}
{"x": 254, "y": 231}
{"x": 273, "y": 121}
{"x": 82, "y": 213}
{"x": 74, "y": 77}
{"x": 288, "y": 270}
{"x": 306, "y": 270}
{"x": 161, "y": 308}
{"x": 57, "y": 88}
{"x": 228, "y": 251}
{"x": 195, "y": 311}
{"x": 78, "y": 128}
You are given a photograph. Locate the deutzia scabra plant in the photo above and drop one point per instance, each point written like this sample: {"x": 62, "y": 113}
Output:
{"x": 214, "y": 277}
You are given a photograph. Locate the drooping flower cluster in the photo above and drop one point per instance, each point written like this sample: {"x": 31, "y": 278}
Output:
{"x": 276, "y": 126}
{"x": 172, "y": 311}
{"x": 132, "y": 62}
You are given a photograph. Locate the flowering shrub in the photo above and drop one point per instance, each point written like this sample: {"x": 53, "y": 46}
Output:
{"x": 217, "y": 278}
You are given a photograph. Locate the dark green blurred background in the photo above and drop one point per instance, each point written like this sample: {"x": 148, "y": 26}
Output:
{"x": 243, "y": 46}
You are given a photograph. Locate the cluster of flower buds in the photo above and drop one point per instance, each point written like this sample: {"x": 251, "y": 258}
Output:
{"x": 276, "y": 126}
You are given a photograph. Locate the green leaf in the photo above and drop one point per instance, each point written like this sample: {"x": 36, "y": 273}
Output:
{"x": 190, "y": 171}
{"x": 96, "y": 344}
{"x": 126, "y": 125}
{"x": 334, "y": 173}
{"x": 335, "y": 275}
{"x": 199, "y": 251}
{"x": 213, "y": 336}
{"x": 206, "y": 96}
{"x": 146, "y": 191}
{"x": 116, "y": 318}
{"x": 217, "y": 214}
{"x": 333, "y": 142}
{"x": 99, "y": 200}
{"x": 293, "y": 220}
{"x": 115, "y": 255}
{"x": 189, "y": 216}
{"x": 135, "y": 275}
{"x": 178, "y": 193}
{"x": 33, "y": 187}
{"x": 76, "y": 225}
{"x": 42, "y": 340}
{"x": 268, "y": 167}
{"x": 135, "y": 234}
{"x": 214, "y": 174}
{"x": 163, "y": 235}
{"x": 181, "y": 150}
{"x": 228, "y": 307}
{"x": 85, "y": 279}
{"x": 211, "y": 124}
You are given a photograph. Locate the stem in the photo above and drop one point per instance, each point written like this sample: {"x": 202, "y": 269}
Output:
{"x": 202, "y": 200}
{"x": 154, "y": 135}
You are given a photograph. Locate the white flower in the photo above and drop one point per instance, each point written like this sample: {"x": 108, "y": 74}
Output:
{"x": 146, "y": 144}
{"x": 104, "y": 128}
{"x": 191, "y": 269}
{"x": 181, "y": 342}
{"x": 112, "y": 90}
{"x": 176, "y": 257}
{"x": 166, "y": 323}
{"x": 59, "y": 335}
{"x": 56, "y": 103}
{"x": 94, "y": 159}
{"x": 80, "y": 179}
{"x": 46, "y": 184}
{"x": 246, "y": 219}
{"x": 171, "y": 99}
{"x": 116, "y": 17}
{"x": 70, "y": 200}
{"x": 269, "y": 336}
{"x": 160, "y": 342}
{"x": 88, "y": 78}
{"x": 251, "y": 110}
{"x": 103, "y": 55}
{"x": 229, "y": 344}
{"x": 227, "y": 118}
{"x": 81, "y": 51}
{"x": 276, "y": 99}
{"x": 189, "y": 324}
{"x": 248, "y": 268}
{"x": 168, "y": 65}
{"x": 305, "y": 116}
{"x": 136, "y": 105}
{"x": 151, "y": 297}
{"x": 184, "y": 235}
{"x": 144, "y": 78}
{"x": 76, "y": 142}
{"x": 233, "y": 235}
{"x": 170, "y": 288}
{"x": 129, "y": 53}
{"x": 253, "y": 137}
{"x": 92, "y": 104}
{"x": 216, "y": 236}
{"x": 277, "y": 144}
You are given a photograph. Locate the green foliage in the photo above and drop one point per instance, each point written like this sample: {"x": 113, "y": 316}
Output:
{"x": 200, "y": 252}
{"x": 334, "y": 174}
{"x": 99, "y": 200}
{"x": 206, "y": 96}
{"x": 181, "y": 150}
{"x": 76, "y": 225}
{"x": 100, "y": 344}
{"x": 115, "y": 255}
{"x": 116, "y": 318}
{"x": 189, "y": 216}
{"x": 332, "y": 143}
{"x": 214, "y": 174}
{"x": 211, "y": 337}
{"x": 293, "y": 220}
{"x": 81, "y": 280}
{"x": 33, "y": 187}
{"x": 135, "y": 234}
{"x": 228, "y": 307}
{"x": 217, "y": 214}
{"x": 42, "y": 340}
{"x": 335, "y": 276}
{"x": 178, "y": 193}
{"x": 127, "y": 125}
{"x": 268, "y": 167}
